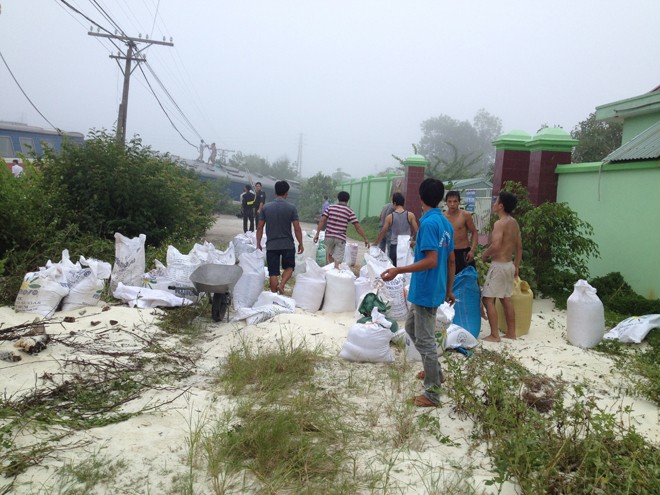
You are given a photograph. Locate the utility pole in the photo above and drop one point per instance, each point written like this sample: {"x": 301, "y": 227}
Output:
{"x": 223, "y": 155}
{"x": 133, "y": 53}
{"x": 300, "y": 148}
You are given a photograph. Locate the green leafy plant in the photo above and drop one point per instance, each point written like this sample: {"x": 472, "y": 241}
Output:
{"x": 107, "y": 187}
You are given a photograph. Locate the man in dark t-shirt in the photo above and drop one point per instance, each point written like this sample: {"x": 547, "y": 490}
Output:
{"x": 247, "y": 208}
{"x": 278, "y": 216}
{"x": 260, "y": 199}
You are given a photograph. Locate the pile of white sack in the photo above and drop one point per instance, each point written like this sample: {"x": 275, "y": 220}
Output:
{"x": 62, "y": 284}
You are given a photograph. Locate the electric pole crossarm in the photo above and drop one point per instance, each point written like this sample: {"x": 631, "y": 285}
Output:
{"x": 132, "y": 54}
{"x": 129, "y": 39}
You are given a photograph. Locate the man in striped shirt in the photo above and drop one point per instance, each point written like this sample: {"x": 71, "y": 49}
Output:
{"x": 335, "y": 220}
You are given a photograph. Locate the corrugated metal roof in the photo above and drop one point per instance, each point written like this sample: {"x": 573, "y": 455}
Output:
{"x": 644, "y": 146}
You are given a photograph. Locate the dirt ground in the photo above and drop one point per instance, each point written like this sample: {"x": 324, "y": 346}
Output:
{"x": 226, "y": 227}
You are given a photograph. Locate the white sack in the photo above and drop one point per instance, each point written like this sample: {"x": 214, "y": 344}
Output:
{"x": 251, "y": 284}
{"x": 392, "y": 292}
{"x": 85, "y": 287}
{"x": 459, "y": 337}
{"x": 267, "y": 298}
{"x": 255, "y": 315}
{"x": 309, "y": 251}
{"x": 350, "y": 253}
{"x": 309, "y": 288}
{"x": 159, "y": 278}
{"x": 207, "y": 253}
{"x": 377, "y": 262}
{"x": 368, "y": 343}
{"x": 445, "y": 314}
{"x": 129, "y": 261}
{"x": 585, "y": 316}
{"x": 339, "y": 291}
{"x": 148, "y": 298}
{"x": 412, "y": 354}
{"x": 244, "y": 243}
{"x": 362, "y": 286}
{"x": 634, "y": 329}
{"x": 180, "y": 266}
{"x": 41, "y": 292}
{"x": 404, "y": 255}
{"x": 103, "y": 269}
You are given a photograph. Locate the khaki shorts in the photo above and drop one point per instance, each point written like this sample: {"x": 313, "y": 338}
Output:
{"x": 499, "y": 281}
{"x": 335, "y": 247}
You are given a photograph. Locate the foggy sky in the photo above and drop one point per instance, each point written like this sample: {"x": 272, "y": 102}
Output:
{"x": 355, "y": 77}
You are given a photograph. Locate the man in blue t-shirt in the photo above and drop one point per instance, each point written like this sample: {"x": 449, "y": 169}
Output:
{"x": 430, "y": 285}
{"x": 278, "y": 217}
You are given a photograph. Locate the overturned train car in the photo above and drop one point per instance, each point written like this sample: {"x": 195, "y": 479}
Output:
{"x": 238, "y": 179}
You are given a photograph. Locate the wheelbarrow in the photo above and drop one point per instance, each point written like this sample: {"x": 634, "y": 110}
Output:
{"x": 217, "y": 281}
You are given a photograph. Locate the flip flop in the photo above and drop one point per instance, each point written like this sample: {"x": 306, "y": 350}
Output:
{"x": 422, "y": 401}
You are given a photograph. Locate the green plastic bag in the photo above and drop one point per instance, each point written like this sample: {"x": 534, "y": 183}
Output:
{"x": 371, "y": 301}
{"x": 320, "y": 254}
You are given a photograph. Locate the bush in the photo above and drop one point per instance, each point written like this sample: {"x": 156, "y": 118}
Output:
{"x": 556, "y": 245}
{"x": 79, "y": 198}
{"x": 618, "y": 296}
{"x": 108, "y": 188}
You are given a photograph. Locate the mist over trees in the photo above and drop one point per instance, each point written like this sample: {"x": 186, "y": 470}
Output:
{"x": 282, "y": 168}
{"x": 459, "y": 149}
{"x": 597, "y": 139}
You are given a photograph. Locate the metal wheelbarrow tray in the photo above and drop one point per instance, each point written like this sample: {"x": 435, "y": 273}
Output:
{"x": 217, "y": 281}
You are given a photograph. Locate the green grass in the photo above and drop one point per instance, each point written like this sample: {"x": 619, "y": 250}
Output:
{"x": 572, "y": 445}
{"x": 267, "y": 371}
{"x": 369, "y": 226}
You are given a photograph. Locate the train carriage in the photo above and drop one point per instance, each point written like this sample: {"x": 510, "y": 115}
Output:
{"x": 27, "y": 140}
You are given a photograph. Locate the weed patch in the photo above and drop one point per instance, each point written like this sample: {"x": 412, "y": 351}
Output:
{"x": 570, "y": 445}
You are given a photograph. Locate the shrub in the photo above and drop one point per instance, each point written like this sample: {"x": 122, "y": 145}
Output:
{"x": 556, "y": 244}
{"x": 106, "y": 188}
{"x": 618, "y": 296}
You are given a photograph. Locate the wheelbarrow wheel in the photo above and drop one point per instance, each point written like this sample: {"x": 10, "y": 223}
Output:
{"x": 219, "y": 306}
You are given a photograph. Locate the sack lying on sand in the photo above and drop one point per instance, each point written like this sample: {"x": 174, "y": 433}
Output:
{"x": 148, "y": 298}
{"x": 634, "y": 329}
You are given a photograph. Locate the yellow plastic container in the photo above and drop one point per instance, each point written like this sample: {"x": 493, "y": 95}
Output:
{"x": 522, "y": 299}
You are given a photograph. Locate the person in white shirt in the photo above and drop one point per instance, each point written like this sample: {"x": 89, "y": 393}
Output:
{"x": 16, "y": 168}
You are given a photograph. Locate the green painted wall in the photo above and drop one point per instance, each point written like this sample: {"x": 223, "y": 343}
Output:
{"x": 632, "y": 126}
{"x": 368, "y": 194}
{"x": 623, "y": 206}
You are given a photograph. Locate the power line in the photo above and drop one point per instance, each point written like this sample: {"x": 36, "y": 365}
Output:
{"x": 172, "y": 100}
{"x": 163, "y": 108}
{"x": 26, "y": 96}
{"x": 107, "y": 16}
{"x": 85, "y": 16}
{"x": 155, "y": 16}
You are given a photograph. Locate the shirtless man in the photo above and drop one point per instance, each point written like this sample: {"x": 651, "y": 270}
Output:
{"x": 506, "y": 242}
{"x": 462, "y": 222}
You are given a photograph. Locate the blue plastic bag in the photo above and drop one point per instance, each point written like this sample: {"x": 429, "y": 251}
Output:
{"x": 468, "y": 301}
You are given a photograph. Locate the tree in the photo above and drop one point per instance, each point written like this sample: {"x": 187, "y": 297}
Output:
{"x": 312, "y": 191}
{"x": 597, "y": 139}
{"x": 450, "y": 143}
{"x": 340, "y": 175}
{"x": 456, "y": 168}
{"x": 283, "y": 169}
{"x": 250, "y": 163}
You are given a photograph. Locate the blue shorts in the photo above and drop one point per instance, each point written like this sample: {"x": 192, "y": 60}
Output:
{"x": 273, "y": 257}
